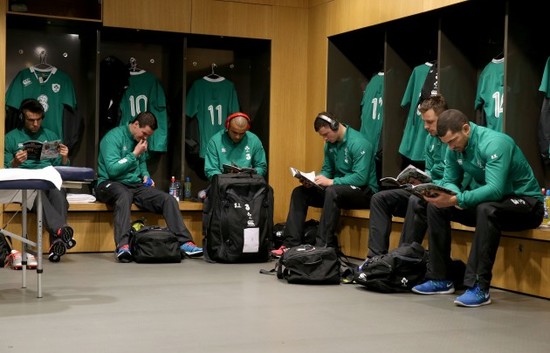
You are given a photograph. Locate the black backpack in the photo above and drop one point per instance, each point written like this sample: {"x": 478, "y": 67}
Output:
{"x": 311, "y": 228}
{"x": 154, "y": 244}
{"x": 239, "y": 219}
{"x": 397, "y": 271}
{"x": 5, "y": 248}
{"x": 278, "y": 235}
{"x": 307, "y": 264}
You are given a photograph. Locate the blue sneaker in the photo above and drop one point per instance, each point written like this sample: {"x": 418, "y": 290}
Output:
{"x": 191, "y": 249}
{"x": 124, "y": 255}
{"x": 435, "y": 287}
{"x": 474, "y": 297}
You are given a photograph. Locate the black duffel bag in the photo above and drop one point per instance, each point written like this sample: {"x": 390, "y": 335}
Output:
{"x": 308, "y": 264}
{"x": 397, "y": 271}
{"x": 154, "y": 244}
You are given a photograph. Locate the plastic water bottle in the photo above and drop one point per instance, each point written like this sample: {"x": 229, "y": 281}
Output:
{"x": 178, "y": 190}
{"x": 202, "y": 195}
{"x": 187, "y": 188}
{"x": 545, "y": 220}
{"x": 173, "y": 190}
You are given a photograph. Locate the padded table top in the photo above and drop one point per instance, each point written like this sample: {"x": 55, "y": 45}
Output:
{"x": 76, "y": 173}
{"x": 27, "y": 184}
{"x": 14, "y": 180}
{"x": 20, "y": 178}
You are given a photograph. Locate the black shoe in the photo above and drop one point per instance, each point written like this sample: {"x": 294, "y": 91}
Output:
{"x": 71, "y": 244}
{"x": 65, "y": 233}
{"x": 57, "y": 249}
{"x": 54, "y": 258}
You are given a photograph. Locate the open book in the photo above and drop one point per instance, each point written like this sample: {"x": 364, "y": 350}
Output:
{"x": 308, "y": 178}
{"x": 428, "y": 190}
{"x": 37, "y": 150}
{"x": 232, "y": 168}
{"x": 407, "y": 176}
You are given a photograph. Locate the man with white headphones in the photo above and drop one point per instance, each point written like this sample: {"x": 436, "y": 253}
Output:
{"x": 349, "y": 179}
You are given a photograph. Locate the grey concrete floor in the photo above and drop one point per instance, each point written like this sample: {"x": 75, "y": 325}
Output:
{"x": 92, "y": 304}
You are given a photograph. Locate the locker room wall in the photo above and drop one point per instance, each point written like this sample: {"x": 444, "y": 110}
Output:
{"x": 464, "y": 38}
{"x": 71, "y": 47}
{"x": 298, "y": 32}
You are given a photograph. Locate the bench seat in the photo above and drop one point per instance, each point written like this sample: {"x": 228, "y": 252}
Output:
{"x": 93, "y": 223}
{"x": 100, "y": 206}
{"x": 522, "y": 263}
{"x": 542, "y": 233}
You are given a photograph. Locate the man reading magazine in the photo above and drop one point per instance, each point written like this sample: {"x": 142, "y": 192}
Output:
{"x": 55, "y": 203}
{"x": 397, "y": 200}
{"x": 348, "y": 176}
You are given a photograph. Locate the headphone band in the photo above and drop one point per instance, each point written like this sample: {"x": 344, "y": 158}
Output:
{"x": 236, "y": 115}
{"x": 32, "y": 105}
{"x": 325, "y": 118}
{"x": 333, "y": 124}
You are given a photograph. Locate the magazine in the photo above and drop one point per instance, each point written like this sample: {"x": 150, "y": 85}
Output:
{"x": 428, "y": 190}
{"x": 232, "y": 168}
{"x": 409, "y": 175}
{"x": 38, "y": 150}
{"x": 308, "y": 178}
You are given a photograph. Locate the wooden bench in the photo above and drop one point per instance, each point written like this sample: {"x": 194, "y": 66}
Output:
{"x": 522, "y": 263}
{"x": 93, "y": 223}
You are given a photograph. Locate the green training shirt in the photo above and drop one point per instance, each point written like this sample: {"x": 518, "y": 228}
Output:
{"x": 350, "y": 161}
{"x": 14, "y": 142}
{"x": 434, "y": 152}
{"x": 247, "y": 153}
{"x": 117, "y": 161}
{"x": 52, "y": 88}
{"x": 497, "y": 166}
{"x": 414, "y": 134}
{"x": 372, "y": 110}
{"x": 145, "y": 93}
{"x": 211, "y": 101}
{"x": 490, "y": 93}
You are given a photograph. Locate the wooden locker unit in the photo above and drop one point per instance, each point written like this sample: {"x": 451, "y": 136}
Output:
{"x": 466, "y": 50}
{"x": 69, "y": 45}
{"x": 78, "y": 45}
{"x": 83, "y": 10}
{"x": 463, "y": 38}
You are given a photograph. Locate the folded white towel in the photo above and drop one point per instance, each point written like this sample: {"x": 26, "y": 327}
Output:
{"x": 80, "y": 198}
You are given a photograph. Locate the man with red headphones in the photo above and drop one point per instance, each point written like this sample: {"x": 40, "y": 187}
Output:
{"x": 54, "y": 205}
{"x": 235, "y": 145}
{"x": 348, "y": 177}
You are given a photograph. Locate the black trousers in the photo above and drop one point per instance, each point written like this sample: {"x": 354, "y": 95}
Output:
{"x": 395, "y": 202}
{"x": 332, "y": 200}
{"x": 54, "y": 208}
{"x": 513, "y": 213}
{"x": 148, "y": 198}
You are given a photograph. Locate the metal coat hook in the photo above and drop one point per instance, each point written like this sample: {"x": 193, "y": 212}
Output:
{"x": 43, "y": 56}
{"x": 133, "y": 63}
